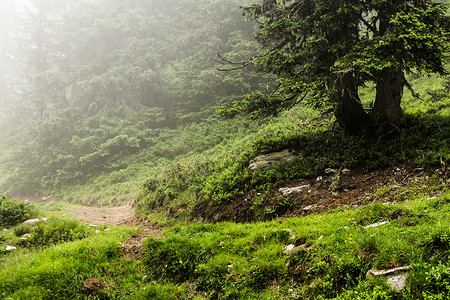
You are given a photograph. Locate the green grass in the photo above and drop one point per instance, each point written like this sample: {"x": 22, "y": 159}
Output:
{"x": 246, "y": 261}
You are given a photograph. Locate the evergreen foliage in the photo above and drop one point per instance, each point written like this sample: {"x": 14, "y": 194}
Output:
{"x": 100, "y": 80}
{"x": 324, "y": 51}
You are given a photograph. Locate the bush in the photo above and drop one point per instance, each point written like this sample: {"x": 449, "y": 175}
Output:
{"x": 13, "y": 212}
{"x": 52, "y": 232}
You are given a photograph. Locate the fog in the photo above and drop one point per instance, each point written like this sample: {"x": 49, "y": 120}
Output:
{"x": 70, "y": 67}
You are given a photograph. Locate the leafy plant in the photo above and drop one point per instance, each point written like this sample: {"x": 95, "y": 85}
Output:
{"x": 13, "y": 212}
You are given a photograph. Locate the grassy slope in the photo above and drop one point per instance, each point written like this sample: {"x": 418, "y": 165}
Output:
{"x": 246, "y": 261}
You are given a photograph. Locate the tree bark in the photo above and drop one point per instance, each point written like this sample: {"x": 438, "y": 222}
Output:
{"x": 348, "y": 109}
{"x": 387, "y": 112}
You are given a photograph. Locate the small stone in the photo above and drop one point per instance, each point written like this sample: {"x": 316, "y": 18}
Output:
{"x": 9, "y": 248}
{"x": 309, "y": 207}
{"x": 329, "y": 171}
{"x": 345, "y": 171}
{"x": 291, "y": 249}
{"x": 97, "y": 231}
{"x": 376, "y": 224}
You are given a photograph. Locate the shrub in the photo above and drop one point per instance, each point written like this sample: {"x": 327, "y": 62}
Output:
{"x": 54, "y": 231}
{"x": 13, "y": 212}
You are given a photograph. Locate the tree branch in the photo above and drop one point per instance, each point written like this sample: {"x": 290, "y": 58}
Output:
{"x": 238, "y": 65}
{"x": 368, "y": 25}
{"x": 413, "y": 93}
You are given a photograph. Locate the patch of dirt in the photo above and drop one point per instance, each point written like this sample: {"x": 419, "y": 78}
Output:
{"x": 132, "y": 247}
{"x": 120, "y": 215}
{"x": 92, "y": 286}
{"x": 354, "y": 188}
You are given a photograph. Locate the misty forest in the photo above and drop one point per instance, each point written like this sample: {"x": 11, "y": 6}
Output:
{"x": 224, "y": 149}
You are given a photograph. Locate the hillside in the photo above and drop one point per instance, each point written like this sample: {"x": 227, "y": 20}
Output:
{"x": 176, "y": 149}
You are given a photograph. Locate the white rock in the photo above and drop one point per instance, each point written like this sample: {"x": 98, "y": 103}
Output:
{"x": 329, "y": 171}
{"x": 9, "y": 248}
{"x": 294, "y": 190}
{"x": 289, "y": 247}
{"x": 31, "y": 222}
{"x": 397, "y": 282}
{"x": 395, "y": 278}
{"x": 97, "y": 231}
{"x": 376, "y": 224}
{"x": 309, "y": 207}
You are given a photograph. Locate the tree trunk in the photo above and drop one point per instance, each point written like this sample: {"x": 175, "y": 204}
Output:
{"x": 348, "y": 109}
{"x": 387, "y": 112}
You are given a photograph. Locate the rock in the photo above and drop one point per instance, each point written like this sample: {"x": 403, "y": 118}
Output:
{"x": 309, "y": 207}
{"x": 9, "y": 248}
{"x": 397, "y": 282}
{"x": 32, "y": 222}
{"x": 266, "y": 161}
{"x": 329, "y": 171}
{"x": 395, "y": 278}
{"x": 374, "y": 272}
{"x": 291, "y": 249}
{"x": 294, "y": 190}
{"x": 376, "y": 224}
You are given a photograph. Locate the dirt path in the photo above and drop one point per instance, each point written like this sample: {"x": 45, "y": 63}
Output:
{"x": 121, "y": 215}
{"x": 131, "y": 248}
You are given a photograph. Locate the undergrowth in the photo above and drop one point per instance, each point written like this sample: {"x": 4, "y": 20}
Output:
{"x": 184, "y": 187}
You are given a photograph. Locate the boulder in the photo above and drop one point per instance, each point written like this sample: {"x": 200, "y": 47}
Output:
{"x": 267, "y": 161}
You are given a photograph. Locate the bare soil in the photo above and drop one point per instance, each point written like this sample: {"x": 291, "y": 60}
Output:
{"x": 120, "y": 215}
{"x": 352, "y": 189}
